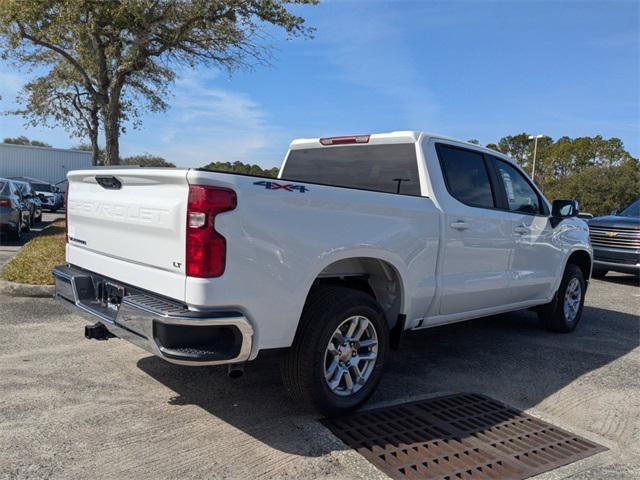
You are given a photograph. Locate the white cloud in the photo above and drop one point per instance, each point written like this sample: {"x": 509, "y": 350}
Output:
{"x": 204, "y": 123}
{"x": 10, "y": 84}
{"x": 207, "y": 123}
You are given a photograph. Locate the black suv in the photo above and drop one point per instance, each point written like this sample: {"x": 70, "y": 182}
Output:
{"x": 616, "y": 241}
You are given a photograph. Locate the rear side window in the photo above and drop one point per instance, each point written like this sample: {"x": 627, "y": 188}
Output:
{"x": 42, "y": 187}
{"x": 521, "y": 196}
{"x": 466, "y": 176}
{"x": 381, "y": 168}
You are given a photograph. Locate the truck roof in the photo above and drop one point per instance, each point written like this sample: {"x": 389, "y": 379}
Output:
{"x": 400, "y": 136}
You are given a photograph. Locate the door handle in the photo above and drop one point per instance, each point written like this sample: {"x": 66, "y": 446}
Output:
{"x": 459, "y": 225}
{"x": 521, "y": 229}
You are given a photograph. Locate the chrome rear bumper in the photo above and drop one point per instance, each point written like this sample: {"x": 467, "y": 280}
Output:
{"x": 161, "y": 326}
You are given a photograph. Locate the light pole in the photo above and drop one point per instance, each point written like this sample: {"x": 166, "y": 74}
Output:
{"x": 535, "y": 151}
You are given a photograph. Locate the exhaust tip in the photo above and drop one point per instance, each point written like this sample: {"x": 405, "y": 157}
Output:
{"x": 236, "y": 370}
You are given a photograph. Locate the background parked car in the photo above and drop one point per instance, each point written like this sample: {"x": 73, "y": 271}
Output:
{"x": 51, "y": 197}
{"x": 585, "y": 215}
{"x": 31, "y": 198}
{"x": 616, "y": 241}
{"x": 15, "y": 216}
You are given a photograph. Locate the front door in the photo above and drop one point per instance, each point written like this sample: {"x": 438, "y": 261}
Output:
{"x": 536, "y": 259}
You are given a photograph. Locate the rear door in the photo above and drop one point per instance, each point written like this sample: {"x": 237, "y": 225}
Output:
{"x": 536, "y": 259}
{"x": 130, "y": 224}
{"x": 478, "y": 242}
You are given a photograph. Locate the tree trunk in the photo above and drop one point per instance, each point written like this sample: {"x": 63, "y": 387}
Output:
{"x": 111, "y": 112}
{"x": 93, "y": 135}
{"x": 111, "y": 133}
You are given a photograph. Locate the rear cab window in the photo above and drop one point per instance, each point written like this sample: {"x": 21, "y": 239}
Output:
{"x": 391, "y": 168}
{"x": 466, "y": 176}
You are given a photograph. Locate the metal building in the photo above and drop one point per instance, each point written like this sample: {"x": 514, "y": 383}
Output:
{"x": 43, "y": 163}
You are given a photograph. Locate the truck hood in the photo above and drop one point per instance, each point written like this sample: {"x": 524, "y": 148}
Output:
{"x": 612, "y": 221}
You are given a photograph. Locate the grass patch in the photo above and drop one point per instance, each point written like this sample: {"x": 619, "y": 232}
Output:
{"x": 34, "y": 262}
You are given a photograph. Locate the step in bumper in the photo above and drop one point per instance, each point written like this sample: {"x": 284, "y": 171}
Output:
{"x": 159, "y": 325}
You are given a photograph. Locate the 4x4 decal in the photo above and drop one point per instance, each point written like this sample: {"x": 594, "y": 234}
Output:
{"x": 289, "y": 187}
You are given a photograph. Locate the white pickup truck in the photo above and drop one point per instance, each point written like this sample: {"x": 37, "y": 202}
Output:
{"x": 359, "y": 239}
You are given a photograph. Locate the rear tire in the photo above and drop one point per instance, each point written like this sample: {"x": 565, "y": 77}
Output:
{"x": 597, "y": 273}
{"x": 324, "y": 368}
{"x": 16, "y": 235}
{"x": 563, "y": 314}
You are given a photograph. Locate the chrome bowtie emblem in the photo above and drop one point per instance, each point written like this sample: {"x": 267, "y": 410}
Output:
{"x": 611, "y": 234}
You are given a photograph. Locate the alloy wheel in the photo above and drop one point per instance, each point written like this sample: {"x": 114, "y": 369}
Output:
{"x": 572, "y": 298}
{"x": 350, "y": 356}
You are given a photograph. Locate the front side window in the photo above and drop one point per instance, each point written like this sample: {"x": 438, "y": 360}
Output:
{"x": 466, "y": 176}
{"x": 381, "y": 168}
{"x": 521, "y": 196}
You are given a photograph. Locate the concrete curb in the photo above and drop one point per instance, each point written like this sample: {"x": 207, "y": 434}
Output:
{"x": 25, "y": 290}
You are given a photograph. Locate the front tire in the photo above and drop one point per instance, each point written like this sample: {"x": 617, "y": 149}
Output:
{"x": 337, "y": 357}
{"x": 564, "y": 312}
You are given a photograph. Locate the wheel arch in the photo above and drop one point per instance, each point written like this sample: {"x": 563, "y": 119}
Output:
{"x": 379, "y": 277}
{"x": 582, "y": 259}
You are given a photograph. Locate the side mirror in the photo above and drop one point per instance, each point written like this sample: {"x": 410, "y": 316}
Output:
{"x": 561, "y": 209}
{"x": 614, "y": 212}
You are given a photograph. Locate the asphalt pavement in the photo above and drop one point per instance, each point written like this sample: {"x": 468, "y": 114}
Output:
{"x": 74, "y": 408}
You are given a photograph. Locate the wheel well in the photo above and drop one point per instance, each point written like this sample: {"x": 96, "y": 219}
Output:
{"x": 373, "y": 276}
{"x": 581, "y": 259}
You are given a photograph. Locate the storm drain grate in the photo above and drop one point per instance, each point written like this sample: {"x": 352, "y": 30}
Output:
{"x": 462, "y": 436}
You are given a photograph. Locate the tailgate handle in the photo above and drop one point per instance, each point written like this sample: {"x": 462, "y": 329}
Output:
{"x": 110, "y": 183}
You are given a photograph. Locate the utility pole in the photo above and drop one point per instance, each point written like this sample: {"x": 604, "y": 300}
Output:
{"x": 535, "y": 152}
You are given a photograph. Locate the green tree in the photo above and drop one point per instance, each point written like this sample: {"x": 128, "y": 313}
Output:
{"x": 97, "y": 157}
{"x": 130, "y": 49}
{"x": 520, "y": 148}
{"x": 22, "y": 140}
{"x": 147, "y": 160}
{"x": 599, "y": 189}
{"x": 239, "y": 167}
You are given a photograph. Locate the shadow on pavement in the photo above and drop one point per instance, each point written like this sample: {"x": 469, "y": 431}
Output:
{"x": 508, "y": 357}
{"x": 622, "y": 279}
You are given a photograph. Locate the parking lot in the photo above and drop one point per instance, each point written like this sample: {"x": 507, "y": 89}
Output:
{"x": 75, "y": 408}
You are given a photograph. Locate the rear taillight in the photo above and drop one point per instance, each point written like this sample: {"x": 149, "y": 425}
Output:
{"x": 206, "y": 249}
{"x": 66, "y": 213}
{"x": 5, "y": 203}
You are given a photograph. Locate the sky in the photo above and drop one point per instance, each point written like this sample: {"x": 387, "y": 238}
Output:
{"x": 465, "y": 69}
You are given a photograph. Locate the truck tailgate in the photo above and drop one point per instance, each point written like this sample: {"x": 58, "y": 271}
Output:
{"x": 129, "y": 224}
